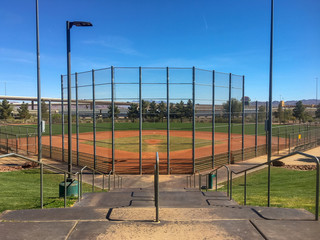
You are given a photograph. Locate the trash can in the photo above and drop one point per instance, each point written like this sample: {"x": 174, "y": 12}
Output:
{"x": 211, "y": 179}
{"x": 72, "y": 189}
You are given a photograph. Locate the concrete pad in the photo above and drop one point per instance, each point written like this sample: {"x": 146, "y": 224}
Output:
{"x": 35, "y": 230}
{"x": 165, "y": 230}
{"x": 273, "y": 213}
{"x": 169, "y": 214}
{"x": 55, "y": 214}
{"x": 282, "y": 230}
{"x": 105, "y": 200}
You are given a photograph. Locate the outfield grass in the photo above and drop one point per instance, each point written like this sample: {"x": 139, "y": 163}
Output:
{"x": 21, "y": 190}
{"x": 289, "y": 188}
{"x": 152, "y": 143}
{"x": 174, "y": 125}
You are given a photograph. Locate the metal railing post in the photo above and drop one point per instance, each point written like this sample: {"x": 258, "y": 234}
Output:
{"x": 199, "y": 182}
{"x": 245, "y": 188}
{"x": 103, "y": 182}
{"x": 93, "y": 173}
{"x": 156, "y": 187}
{"x": 231, "y": 186}
{"x": 278, "y": 140}
{"x": 78, "y": 187}
{"x": 216, "y": 180}
{"x": 65, "y": 190}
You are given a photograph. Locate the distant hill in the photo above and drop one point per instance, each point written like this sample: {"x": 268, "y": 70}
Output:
{"x": 290, "y": 102}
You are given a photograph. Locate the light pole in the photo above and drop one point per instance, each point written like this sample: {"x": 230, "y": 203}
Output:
{"x": 316, "y": 91}
{"x": 69, "y": 26}
{"x": 270, "y": 103}
{"x": 39, "y": 105}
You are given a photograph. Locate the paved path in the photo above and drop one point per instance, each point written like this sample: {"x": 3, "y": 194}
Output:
{"x": 130, "y": 214}
{"x": 184, "y": 214}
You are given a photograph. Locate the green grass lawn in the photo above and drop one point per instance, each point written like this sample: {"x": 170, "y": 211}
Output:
{"x": 21, "y": 190}
{"x": 174, "y": 125}
{"x": 289, "y": 188}
{"x": 131, "y": 144}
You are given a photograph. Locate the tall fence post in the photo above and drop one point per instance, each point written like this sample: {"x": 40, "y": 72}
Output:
{"x": 193, "y": 116}
{"x": 168, "y": 124}
{"x": 62, "y": 113}
{"x": 27, "y": 142}
{"x": 112, "y": 106}
{"x": 213, "y": 115}
{"x": 50, "y": 128}
{"x": 243, "y": 117}
{"x": 94, "y": 121}
{"x": 256, "y": 132}
{"x": 267, "y": 106}
{"x": 229, "y": 122}
{"x": 140, "y": 120}
{"x": 77, "y": 116}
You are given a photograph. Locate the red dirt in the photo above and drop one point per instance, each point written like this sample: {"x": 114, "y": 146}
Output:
{"x": 178, "y": 159}
{"x": 152, "y": 141}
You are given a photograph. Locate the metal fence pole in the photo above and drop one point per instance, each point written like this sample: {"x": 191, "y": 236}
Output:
{"x": 94, "y": 121}
{"x": 50, "y": 128}
{"x": 77, "y": 117}
{"x": 62, "y": 113}
{"x": 266, "y": 127}
{"x": 140, "y": 120}
{"x": 156, "y": 187}
{"x": 229, "y": 122}
{"x": 168, "y": 124}
{"x": 193, "y": 116}
{"x": 243, "y": 116}
{"x": 112, "y": 106}
{"x": 27, "y": 142}
{"x": 278, "y": 140}
{"x": 256, "y": 131}
{"x": 213, "y": 114}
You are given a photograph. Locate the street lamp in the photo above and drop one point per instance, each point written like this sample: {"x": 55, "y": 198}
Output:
{"x": 69, "y": 26}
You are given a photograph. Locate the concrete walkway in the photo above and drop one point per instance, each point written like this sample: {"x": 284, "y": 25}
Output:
{"x": 129, "y": 213}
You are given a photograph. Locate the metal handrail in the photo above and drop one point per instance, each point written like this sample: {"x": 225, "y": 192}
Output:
{"x": 277, "y": 159}
{"x": 228, "y": 177}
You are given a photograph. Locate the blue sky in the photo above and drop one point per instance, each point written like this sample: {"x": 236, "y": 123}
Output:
{"x": 228, "y": 36}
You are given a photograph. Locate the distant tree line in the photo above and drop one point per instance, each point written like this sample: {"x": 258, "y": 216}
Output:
{"x": 152, "y": 111}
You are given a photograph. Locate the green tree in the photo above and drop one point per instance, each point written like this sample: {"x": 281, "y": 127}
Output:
{"x": 145, "y": 105}
{"x": 298, "y": 111}
{"x": 173, "y": 111}
{"x": 287, "y": 115}
{"x": 261, "y": 113}
{"x": 153, "y": 110}
{"x": 188, "y": 110}
{"x": 116, "y": 111}
{"x": 162, "y": 110}
{"x": 318, "y": 111}
{"x": 280, "y": 113}
{"x": 5, "y": 109}
{"x": 23, "y": 111}
{"x": 44, "y": 110}
{"x": 236, "y": 108}
{"x": 180, "y": 110}
{"x": 133, "y": 112}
